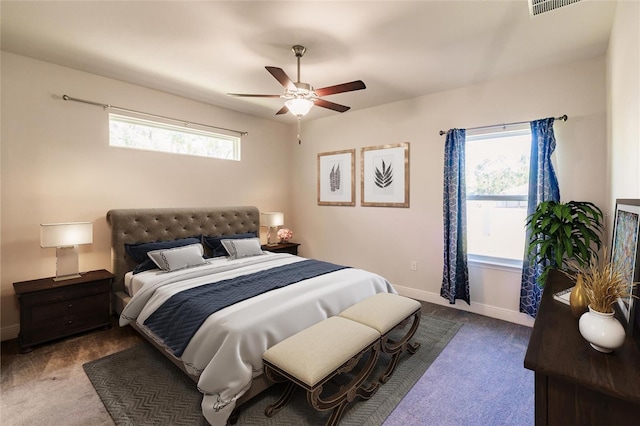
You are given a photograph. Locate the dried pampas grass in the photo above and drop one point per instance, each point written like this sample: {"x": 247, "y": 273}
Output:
{"x": 604, "y": 284}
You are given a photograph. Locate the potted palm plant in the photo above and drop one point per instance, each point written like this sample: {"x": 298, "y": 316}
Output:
{"x": 564, "y": 232}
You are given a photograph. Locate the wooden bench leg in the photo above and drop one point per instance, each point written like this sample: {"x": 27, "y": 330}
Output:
{"x": 272, "y": 409}
{"x": 347, "y": 393}
{"x": 336, "y": 414}
{"x": 395, "y": 348}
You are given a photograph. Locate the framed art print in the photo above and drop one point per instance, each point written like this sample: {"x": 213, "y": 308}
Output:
{"x": 625, "y": 255}
{"x": 336, "y": 178}
{"x": 384, "y": 177}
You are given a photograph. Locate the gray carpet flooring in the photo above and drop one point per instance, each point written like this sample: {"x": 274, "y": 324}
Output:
{"x": 139, "y": 386}
{"x": 478, "y": 379}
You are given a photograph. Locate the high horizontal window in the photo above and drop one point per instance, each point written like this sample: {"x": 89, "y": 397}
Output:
{"x": 497, "y": 182}
{"x": 138, "y": 133}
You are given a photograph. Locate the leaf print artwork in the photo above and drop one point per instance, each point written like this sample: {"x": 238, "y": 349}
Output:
{"x": 334, "y": 178}
{"x": 384, "y": 177}
{"x": 336, "y": 182}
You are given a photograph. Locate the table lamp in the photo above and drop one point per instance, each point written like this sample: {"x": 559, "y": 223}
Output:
{"x": 66, "y": 237}
{"x": 271, "y": 220}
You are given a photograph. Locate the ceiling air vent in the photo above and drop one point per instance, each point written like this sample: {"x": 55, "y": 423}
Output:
{"x": 536, "y": 7}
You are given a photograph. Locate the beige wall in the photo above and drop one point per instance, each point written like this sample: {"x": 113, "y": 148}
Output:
{"x": 57, "y": 166}
{"x": 623, "y": 103}
{"x": 386, "y": 240}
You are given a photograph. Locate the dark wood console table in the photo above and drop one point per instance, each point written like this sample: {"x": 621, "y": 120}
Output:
{"x": 574, "y": 383}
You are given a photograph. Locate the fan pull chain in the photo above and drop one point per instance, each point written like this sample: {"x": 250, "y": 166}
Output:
{"x": 299, "y": 126}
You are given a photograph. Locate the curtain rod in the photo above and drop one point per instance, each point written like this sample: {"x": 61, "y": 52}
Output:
{"x": 185, "y": 122}
{"x": 562, "y": 118}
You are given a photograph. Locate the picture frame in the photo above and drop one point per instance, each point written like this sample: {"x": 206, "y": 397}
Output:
{"x": 336, "y": 178}
{"x": 384, "y": 176}
{"x": 625, "y": 254}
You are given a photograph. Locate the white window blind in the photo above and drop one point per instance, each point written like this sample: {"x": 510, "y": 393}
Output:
{"x": 151, "y": 135}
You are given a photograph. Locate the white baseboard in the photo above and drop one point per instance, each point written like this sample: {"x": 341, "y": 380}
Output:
{"x": 476, "y": 308}
{"x": 10, "y": 332}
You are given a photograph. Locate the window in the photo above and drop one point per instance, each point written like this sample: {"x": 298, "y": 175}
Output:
{"x": 130, "y": 132}
{"x": 497, "y": 180}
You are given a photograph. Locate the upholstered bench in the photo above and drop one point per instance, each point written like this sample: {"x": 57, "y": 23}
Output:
{"x": 386, "y": 313}
{"x": 312, "y": 357}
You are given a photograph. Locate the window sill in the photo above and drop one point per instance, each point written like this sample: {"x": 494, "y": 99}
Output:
{"x": 508, "y": 265}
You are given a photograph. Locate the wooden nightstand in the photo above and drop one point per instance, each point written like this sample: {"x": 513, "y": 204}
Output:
{"x": 50, "y": 310}
{"x": 291, "y": 248}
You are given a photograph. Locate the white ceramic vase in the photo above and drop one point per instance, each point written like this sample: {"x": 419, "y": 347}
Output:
{"x": 602, "y": 331}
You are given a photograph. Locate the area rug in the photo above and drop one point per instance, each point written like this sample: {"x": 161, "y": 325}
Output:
{"x": 139, "y": 386}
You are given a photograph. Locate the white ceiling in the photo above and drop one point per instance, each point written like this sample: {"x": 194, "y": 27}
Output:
{"x": 400, "y": 49}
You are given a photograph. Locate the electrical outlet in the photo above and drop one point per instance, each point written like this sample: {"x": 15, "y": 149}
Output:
{"x": 414, "y": 265}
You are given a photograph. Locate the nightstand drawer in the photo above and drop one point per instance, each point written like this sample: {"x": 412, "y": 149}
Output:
{"x": 79, "y": 307}
{"x": 65, "y": 293}
{"x": 64, "y": 318}
{"x": 52, "y": 309}
{"x": 66, "y": 325}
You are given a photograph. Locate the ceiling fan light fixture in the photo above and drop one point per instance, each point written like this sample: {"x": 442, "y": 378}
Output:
{"x": 301, "y": 97}
{"x": 299, "y": 106}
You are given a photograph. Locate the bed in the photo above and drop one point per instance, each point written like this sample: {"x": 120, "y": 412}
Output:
{"x": 224, "y": 353}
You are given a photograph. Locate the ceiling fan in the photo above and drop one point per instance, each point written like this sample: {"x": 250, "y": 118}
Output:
{"x": 300, "y": 97}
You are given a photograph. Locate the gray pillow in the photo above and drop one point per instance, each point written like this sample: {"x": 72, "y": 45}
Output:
{"x": 239, "y": 248}
{"x": 178, "y": 258}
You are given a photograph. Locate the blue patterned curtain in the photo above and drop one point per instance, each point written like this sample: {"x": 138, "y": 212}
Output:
{"x": 543, "y": 186}
{"x": 455, "y": 276}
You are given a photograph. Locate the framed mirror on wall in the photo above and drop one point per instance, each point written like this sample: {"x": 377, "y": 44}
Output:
{"x": 625, "y": 256}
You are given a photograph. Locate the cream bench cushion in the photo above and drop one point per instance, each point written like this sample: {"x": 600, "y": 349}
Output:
{"x": 383, "y": 311}
{"x": 307, "y": 355}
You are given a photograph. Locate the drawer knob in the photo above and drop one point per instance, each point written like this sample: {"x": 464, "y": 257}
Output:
{"x": 70, "y": 306}
{"x": 69, "y": 322}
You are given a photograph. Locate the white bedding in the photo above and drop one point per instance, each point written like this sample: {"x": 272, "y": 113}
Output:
{"x": 226, "y": 352}
{"x": 128, "y": 284}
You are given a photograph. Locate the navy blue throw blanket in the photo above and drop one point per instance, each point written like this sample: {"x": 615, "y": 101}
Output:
{"x": 178, "y": 319}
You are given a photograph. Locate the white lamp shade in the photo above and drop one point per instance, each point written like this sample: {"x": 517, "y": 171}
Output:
{"x": 272, "y": 219}
{"x": 65, "y": 234}
{"x": 299, "y": 106}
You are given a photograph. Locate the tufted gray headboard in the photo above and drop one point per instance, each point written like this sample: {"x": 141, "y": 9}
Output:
{"x": 147, "y": 225}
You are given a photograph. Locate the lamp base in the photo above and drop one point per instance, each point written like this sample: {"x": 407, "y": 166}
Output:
{"x": 66, "y": 277}
{"x": 66, "y": 263}
{"x": 269, "y": 233}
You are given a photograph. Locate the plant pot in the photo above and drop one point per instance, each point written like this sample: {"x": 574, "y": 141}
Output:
{"x": 578, "y": 299}
{"x": 601, "y": 330}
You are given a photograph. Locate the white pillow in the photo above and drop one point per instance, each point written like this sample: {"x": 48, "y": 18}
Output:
{"x": 244, "y": 247}
{"x": 177, "y": 258}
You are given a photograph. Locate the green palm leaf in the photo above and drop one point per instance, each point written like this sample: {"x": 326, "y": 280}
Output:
{"x": 562, "y": 232}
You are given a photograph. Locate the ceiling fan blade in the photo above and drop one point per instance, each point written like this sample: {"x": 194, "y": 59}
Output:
{"x": 283, "y": 110}
{"x": 341, "y": 88}
{"x": 246, "y": 95}
{"x": 282, "y": 77}
{"x": 331, "y": 105}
